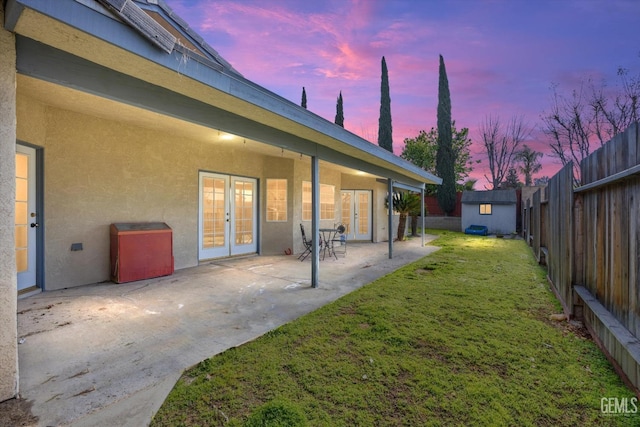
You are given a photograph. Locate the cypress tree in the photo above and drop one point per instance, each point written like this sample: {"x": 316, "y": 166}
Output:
{"x": 385, "y": 139}
{"x": 445, "y": 157}
{"x": 339, "y": 113}
{"x": 304, "y": 98}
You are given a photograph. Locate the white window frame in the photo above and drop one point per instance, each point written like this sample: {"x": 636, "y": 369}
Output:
{"x": 483, "y": 209}
{"x": 277, "y": 200}
{"x": 327, "y": 201}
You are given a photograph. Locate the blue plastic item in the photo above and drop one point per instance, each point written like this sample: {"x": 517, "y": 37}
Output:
{"x": 479, "y": 230}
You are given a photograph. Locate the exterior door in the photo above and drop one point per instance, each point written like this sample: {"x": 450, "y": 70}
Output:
{"x": 356, "y": 213}
{"x": 227, "y": 216}
{"x": 244, "y": 214}
{"x": 26, "y": 219}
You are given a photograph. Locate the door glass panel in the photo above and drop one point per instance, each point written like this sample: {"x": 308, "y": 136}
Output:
{"x": 22, "y": 166}
{"x": 22, "y": 189}
{"x": 243, "y": 193}
{"x": 22, "y": 260}
{"x": 363, "y": 213}
{"x": 213, "y": 213}
{"x": 22, "y": 212}
{"x": 22, "y": 236}
{"x": 346, "y": 210}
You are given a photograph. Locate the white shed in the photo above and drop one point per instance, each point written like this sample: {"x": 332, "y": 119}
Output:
{"x": 494, "y": 209}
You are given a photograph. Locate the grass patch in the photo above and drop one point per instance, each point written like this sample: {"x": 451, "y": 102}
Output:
{"x": 460, "y": 337}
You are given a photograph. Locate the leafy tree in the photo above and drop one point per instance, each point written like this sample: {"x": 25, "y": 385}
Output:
{"x": 304, "y": 98}
{"x": 415, "y": 214}
{"x": 421, "y": 151}
{"x": 339, "y": 112}
{"x": 385, "y": 139}
{"x": 469, "y": 184}
{"x": 445, "y": 156}
{"x": 501, "y": 142}
{"x": 405, "y": 204}
{"x": 512, "y": 180}
{"x": 529, "y": 163}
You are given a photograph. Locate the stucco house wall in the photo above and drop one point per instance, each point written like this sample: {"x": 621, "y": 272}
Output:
{"x": 98, "y": 172}
{"x": 8, "y": 287}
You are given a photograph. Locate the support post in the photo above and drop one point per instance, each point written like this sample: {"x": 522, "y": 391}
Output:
{"x": 422, "y": 212}
{"x": 390, "y": 219}
{"x": 315, "y": 220}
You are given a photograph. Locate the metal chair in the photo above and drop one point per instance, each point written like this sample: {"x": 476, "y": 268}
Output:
{"x": 340, "y": 240}
{"x": 308, "y": 244}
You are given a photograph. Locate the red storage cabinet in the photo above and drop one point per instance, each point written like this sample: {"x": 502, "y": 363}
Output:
{"x": 140, "y": 251}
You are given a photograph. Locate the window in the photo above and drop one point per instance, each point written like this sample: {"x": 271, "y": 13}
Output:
{"x": 485, "y": 208}
{"x": 276, "y": 200}
{"x": 327, "y": 201}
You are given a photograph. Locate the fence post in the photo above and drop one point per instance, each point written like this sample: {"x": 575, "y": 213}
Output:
{"x": 578, "y": 251}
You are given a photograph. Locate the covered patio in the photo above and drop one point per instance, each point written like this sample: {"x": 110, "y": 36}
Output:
{"x": 114, "y": 351}
{"x": 118, "y": 112}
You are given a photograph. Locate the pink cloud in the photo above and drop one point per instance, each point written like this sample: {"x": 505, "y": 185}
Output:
{"x": 501, "y": 58}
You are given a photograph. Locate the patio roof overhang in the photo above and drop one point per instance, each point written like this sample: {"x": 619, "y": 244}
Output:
{"x": 78, "y": 55}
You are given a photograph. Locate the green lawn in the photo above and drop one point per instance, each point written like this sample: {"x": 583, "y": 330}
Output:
{"x": 461, "y": 337}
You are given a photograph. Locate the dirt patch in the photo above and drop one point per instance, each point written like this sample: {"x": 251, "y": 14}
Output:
{"x": 578, "y": 328}
{"x": 571, "y": 327}
{"x": 17, "y": 413}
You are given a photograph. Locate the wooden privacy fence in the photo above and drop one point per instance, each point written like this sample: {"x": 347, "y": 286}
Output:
{"x": 589, "y": 238}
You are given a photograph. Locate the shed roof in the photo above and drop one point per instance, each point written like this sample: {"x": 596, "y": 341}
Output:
{"x": 498, "y": 197}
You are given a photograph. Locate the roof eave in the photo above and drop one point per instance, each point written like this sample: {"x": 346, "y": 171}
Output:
{"x": 201, "y": 80}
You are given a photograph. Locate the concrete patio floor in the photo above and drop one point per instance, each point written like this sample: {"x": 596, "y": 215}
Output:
{"x": 109, "y": 354}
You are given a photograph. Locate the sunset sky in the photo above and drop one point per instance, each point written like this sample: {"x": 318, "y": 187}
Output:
{"x": 502, "y": 56}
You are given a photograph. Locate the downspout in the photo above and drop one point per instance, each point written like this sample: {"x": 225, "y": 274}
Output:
{"x": 315, "y": 220}
{"x": 422, "y": 212}
{"x": 390, "y": 219}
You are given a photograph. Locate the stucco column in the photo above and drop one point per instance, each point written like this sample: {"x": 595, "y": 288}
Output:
{"x": 8, "y": 287}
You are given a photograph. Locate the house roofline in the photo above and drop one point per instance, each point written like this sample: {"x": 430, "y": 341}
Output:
{"x": 274, "y": 110}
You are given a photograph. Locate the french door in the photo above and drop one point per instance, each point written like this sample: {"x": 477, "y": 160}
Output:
{"x": 228, "y": 216}
{"x": 356, "y": 213}
{"x": 26, "y": 219}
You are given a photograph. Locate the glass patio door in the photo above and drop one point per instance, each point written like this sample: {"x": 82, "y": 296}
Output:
{"x": 26, "y": 220}
{"x": 227, "y": 216}
{"x": 244, "y": 210}
{"x": 356, "y": 213}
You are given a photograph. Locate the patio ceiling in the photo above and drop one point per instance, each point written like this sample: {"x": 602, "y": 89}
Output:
{"x": 82, "y": 102}
{"x": 80, "y": 39}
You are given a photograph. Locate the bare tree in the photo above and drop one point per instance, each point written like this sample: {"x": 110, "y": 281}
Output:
{"x": 615, "y": 113}
{"x": 501, "y": 142}
{"x": 591, "y": 115}
{"x": 571, "y": 127}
